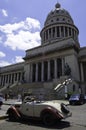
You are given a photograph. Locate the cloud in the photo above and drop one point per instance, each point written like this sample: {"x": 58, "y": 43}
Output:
{"x": 4, "y": 63}
{"x": 18, "y": 59}
{"x": 4, "y": 12}
{"x": 23, "y": 35}
{"x": 2, "y": 54}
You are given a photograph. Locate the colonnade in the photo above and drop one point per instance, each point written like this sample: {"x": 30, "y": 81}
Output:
{"x": 10, "y": 78}
{"x": 83, "y": 71}
{"x": 58, "y": 32}
{"x": 47, "y": 70}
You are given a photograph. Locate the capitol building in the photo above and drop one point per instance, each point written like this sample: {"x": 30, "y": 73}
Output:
{"x": 48, "y": 66}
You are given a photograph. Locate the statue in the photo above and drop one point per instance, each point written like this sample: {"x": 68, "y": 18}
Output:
{"x": 67, "y": 69}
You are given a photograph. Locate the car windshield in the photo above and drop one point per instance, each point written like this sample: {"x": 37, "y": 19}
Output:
{"x": 75, "y": 96}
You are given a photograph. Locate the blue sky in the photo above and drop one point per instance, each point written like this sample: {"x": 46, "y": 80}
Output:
{"x": 22, "y": 20}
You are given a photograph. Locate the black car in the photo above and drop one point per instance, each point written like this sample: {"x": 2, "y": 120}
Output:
{"x": 76, "y": 99}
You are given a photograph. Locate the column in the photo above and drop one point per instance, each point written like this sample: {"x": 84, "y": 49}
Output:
{"x": 36, "y": 72}
{"x": 48, "y": 70}
{"x": 64, "y": 31}
{"x": 45, "y": 36}
{"x": 67, "y": 31}
{"x": 71, "y": 32}
{"x": 63, "y": 64}
{"x": 0, "y": 80}
{"x": 48, "y": 34}
{"x": 21, "y": 76}
{"x": 8, "y": 79}
{"x": 17, "y": 76}
{"x": 51, "y": 33}
{"x": 55, "y": 32}
{"x": 82, "y": 74}
{"x": 55, "y": 68}
{"x": 31, "y": 73}
{"x": 11, "y": 79}
{"x": 60, "y": 32}
{"x": 5, "y": 80}
{"x": 42, "y": 75}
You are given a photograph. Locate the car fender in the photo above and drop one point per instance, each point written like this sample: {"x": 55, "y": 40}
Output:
{"x": 14, "y": 110}
{"x": 52, "y": 111}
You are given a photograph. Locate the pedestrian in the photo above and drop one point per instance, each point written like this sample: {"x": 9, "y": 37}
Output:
{"x": 6, "y": 96}
{"x": 19, "y": 97}
{"x": 1, "y": 101}
{"x": 41, "y": 97}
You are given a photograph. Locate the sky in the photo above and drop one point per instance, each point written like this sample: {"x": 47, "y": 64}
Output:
{"x": 22, "y": 20}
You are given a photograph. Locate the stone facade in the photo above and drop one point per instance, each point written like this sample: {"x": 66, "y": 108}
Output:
{"x": 46, "y": 63}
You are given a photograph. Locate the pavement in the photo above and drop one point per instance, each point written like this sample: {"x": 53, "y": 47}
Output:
{"x": 5, "y": 106}
{"x": 10, "y": 102}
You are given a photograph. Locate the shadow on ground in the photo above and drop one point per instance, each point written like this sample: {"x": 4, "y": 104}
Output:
{"x": 38, "y": 123}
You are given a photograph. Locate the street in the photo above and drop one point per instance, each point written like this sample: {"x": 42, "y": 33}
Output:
{"x": 76, "y": 122}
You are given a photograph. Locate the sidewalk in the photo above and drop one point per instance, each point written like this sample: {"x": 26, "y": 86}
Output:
{"x": 5, "y": 107}
{"x": 9, "y": 102}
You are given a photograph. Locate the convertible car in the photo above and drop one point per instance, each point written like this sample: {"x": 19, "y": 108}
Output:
{"x": 47, "y": 111}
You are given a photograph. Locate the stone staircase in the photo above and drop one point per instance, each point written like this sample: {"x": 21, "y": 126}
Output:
{"x": 50, "y": 90}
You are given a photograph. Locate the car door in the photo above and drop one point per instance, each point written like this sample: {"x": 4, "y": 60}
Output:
{"x": 27, "y": 109}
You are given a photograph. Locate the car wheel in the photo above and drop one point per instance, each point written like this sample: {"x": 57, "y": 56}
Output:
{"x": 70, "y": 103}
{"x": 48, "y": 119}
{"x": 12, "y": 116}
{"x": 82, "y": 102}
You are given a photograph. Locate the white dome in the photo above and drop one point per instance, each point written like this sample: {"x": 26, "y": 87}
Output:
{"x": 58, "y": 15}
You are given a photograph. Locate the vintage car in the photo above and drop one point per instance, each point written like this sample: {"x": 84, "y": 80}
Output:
{"x": 47, "y": 111}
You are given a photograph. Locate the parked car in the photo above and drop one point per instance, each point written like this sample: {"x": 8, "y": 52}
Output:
{"x": 85, "y": 97}
{"x": 47, "y": 111}
{"x": 76, "y": 99}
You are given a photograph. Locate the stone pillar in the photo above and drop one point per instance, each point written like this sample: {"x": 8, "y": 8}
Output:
{"x": 64, "y": 31}
{"x": 5, "y": 79}
{"x": 8, "y": 79}
{"x": 51, "y": 33}
{"x": 48, "y": 34}
{"x": 48, "y": 70}
{"x": 0, "y": 80}
{"x": 82, "y": 74}
{"x": 31, "y": 73}
{"x": 71, "y": 32}
{"x": 63, "y": 64}
{"x": 60, "y": 32}
{"x": 55, "y": 32}
{"x": 45, "y": 36}
{"x": 42, "y": 75}
{"x": 55, "y": 68}
{"x": 36, "y": 72}
{"x": 14, "y": 77}
{"x": 17, "y": 76}
{"x": 11, "y": 79}
{"x": 67, "y": 31}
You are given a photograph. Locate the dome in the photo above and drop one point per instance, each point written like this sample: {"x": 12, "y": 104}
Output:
{"x": 58, "y": 15}
{"x": 58, "y": 25}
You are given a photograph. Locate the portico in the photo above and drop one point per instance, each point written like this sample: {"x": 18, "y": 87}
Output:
{"x": 46, "y": 70}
